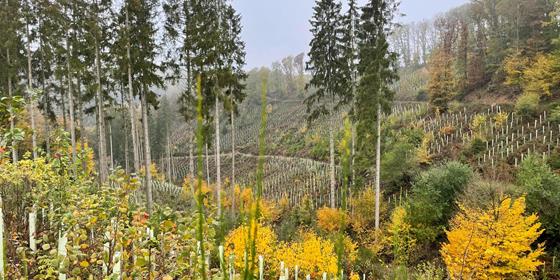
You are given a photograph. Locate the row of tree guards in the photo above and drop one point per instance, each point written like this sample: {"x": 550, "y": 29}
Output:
{"x": 508, "y": 140}
{"x": 292, "y": 178}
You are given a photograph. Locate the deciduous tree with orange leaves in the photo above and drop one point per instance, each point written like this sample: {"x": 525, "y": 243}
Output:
{"x": 494, "y": 243}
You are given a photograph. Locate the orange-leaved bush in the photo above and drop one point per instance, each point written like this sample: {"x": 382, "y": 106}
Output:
{"x": 331, "y": 219}
{"x": 493, "y": 244}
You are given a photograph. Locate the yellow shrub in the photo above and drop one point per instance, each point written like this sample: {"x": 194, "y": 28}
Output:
{"x": 236, "y": 242}
{"x": 494, "y": 243}
{"x": 423, "y": 152}
{"x": 313, "y": 254}
{"x": 363, "y": 213}
{"x": 331, "y": 219}
{"x": 500, "y": 119}
{"x": 401, "y": 237}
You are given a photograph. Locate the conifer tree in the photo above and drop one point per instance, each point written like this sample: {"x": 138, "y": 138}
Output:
{"x": 207, "y": 43}
{"x": 326, "y": 64}
{"x": 377, "y": 70}
{"x": 10, "y": 57}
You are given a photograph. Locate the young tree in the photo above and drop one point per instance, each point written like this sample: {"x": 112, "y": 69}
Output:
{"x": 441, "y": 86}
{"x": 475, "y": 247}
{"x": 377, "y": 69}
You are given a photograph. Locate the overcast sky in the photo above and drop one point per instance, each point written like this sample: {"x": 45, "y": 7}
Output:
{"x": 273, "y": 29}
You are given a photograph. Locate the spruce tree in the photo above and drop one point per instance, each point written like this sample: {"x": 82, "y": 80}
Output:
{"x": 377, "y": 71}
{"x": 327, "y": 66}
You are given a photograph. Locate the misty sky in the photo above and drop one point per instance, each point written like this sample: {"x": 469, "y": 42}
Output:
{"x": 273, "y": 29}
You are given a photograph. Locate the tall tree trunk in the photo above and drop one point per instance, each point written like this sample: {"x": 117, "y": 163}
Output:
{"x": 207, "y": 165}
{"x": 218, "y": 173}
{"x": 63, "y": 103}
{"x": 191, "y": 159}
{"x": 45, "y": 103}
{"x": 378, "y": 167}
{"x": 101, "y": 120}
{"x": 47, "y": 121}
{"x": 81, "y": 119}
{"x": 169, "y": 173}
{"x": 232, "y": 162}
{"x": 125, "y": 129}
{"x": 147, "y": 155}
{"x": 71, "y": 109}
{"x": 12, "y": 116}
{"x": 112, "y": 156}
{"x": 30, "y": 95}
{"x": 133, "y": 133}
{"x": 332, "y": 173}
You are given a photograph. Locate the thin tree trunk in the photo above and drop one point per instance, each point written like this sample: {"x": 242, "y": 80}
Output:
{"x": 29, "y": 94}
{"x": 101, "y": 120}
{"x": 191, "y": 158}
{"x": 47, "y": 122}
{"x": 111, "y": 146}
{"x": 218, "y": 175}
{"x": 125, "y": 129}
{"x": 12, "y": 116}
{"x": 135, "y": 147}
{"x": 147, "y": 156}
{"x": 333, "y": 179}
{"x": 71, "y": 109}
{"x": 232, "y": 162}
{"x": 207, "y": 165}
{"x": 378, "y": 167}
{"x": 63, "y": 103}
{"x": 169, "y": 173}
{"x": 353, "y": 156}
{"x": 81, "y": 119}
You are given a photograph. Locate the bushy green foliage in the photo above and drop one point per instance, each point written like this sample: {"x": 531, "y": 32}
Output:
{"x": 432, "y": 202}
{"x": 542, "y": 186}
{"x": 399, "y": 163}
{"x": 476, "y": 147}
{"x": 527, "y": 104}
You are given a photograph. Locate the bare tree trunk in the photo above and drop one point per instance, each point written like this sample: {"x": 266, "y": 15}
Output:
{"x": 207, "y": 165}
{"x": 112, "y": 156}
{"x": 218, "y": 175}
{"x": 12, "y": 116}
{"x": 46, "y": 103}
{"x": 125, "y": 129}
{"x": 378, "y": 167}
{"x": 147, "y": 155}
{"x": 63, "y": 103}
{"x": 71, "y": 109}
{"x": 191, "y": 158}
{"x": 135, "y": 149}
{"x": 81, "y": 119}
{"x": 47, "y": 121}
{"x": 169, "y": 173}
{"x": 101, "y": 119}
{"x": 353, "y": 155}
{"x": 31, "y": 107}
{"x": 232, "y": 162}
{"x": 333, "y": 179}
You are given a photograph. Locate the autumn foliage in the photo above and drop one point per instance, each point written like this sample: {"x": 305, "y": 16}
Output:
{"x": 497, "y": 243}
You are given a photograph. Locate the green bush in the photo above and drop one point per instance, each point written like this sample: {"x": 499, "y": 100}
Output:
{"x": 527, "y": 104}
{"x": 477, "y": 147}
{"x": 542, "y": 188}
{"x": 432, "y": 202}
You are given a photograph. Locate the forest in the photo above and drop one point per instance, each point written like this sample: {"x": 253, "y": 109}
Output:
{"x": 136, "y": 143}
